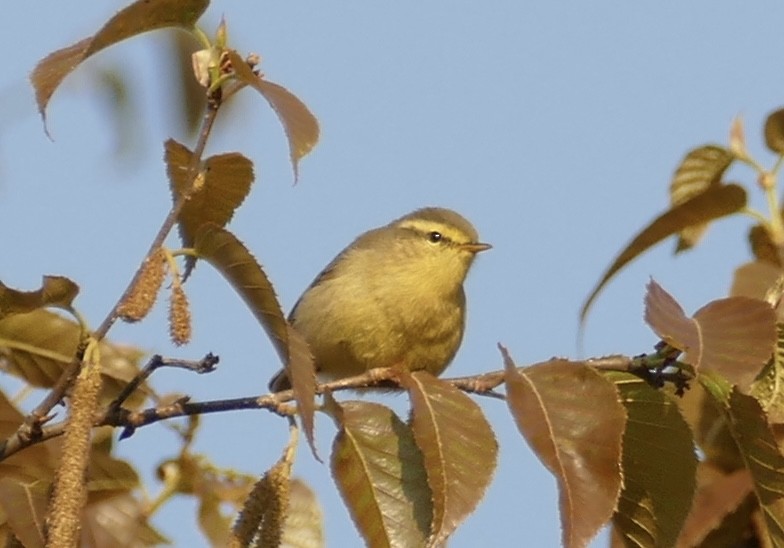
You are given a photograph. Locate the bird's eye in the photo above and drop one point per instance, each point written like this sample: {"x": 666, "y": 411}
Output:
{"x": 434, "y": 237}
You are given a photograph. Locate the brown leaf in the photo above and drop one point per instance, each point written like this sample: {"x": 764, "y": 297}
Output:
{"x": 37, "y": 461}
{"x": 734, "y": 336}
{"x": 38, "y": 345}
{"x": 226, "y": 184}
{"x": 304, "y": 526}
{"x": 25, "y": 480}
{"x": 718, "y": 496}
{"x": 761, "y": 454}
{"x": 23, "y": 503}
{"x": 214, "y": 524}
{"x": 380, "y": 473}
{"x": 56, "y": 291}
{"x": 458, "y": 445}
{"x": 668, "y": 320}
{"x": 120, "y": 520}
{"x": 762, "y": 245}
{"x": 232, "y": 259}
{"x": 699, "y": 170}
{"x": 710, "y": 429}
{"x": 738, "y": 338}
{"x": 301, "y": 127}
{"x": 659, "y": 465}
{"x": 107, "y": 473}
{"x": 753, "y": 279}
{"x": 137, "y": 18}
{"x": 187, "y": 98}
{"x": 774, "y": 131}
{"x": 714, "y": 203}
{"x": 571, "y": 417}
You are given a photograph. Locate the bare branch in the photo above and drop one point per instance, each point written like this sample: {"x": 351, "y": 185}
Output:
{"x": 656, "y": 368}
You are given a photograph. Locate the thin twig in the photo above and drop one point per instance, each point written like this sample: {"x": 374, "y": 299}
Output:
{"x": 40, "y": 414}
{"x": 205, "y": 365}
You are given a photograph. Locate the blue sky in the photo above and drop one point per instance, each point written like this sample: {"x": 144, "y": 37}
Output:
{"x": 553, "y": 126}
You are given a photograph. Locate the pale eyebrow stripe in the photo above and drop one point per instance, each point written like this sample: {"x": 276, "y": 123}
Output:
{"x": 423, "y": 227}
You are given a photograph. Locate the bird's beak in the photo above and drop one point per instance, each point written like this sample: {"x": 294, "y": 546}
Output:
{"x": 475, "y": 248}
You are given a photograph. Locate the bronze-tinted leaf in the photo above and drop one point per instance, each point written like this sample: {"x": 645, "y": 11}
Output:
{"x": 119, "y": 520}
{"x": 187, "y": 98}
{"x": 710, "y": 429}
{"x": 749, "y": 427}
{"x": 714, "y": 203}
{"x": 718, "y": 496}
{"x": 214, "y": 524}
{"x": 458, "y": 445}
{"x": 25, "y": 478}
{"x": 304, "y": 526}
{"x": 233, "y": 260}
{"x": 571, "y": 417}
{"x": 774, "y": 131}
{"x": 667, "y": 319}
{"x": 37, "y": 461}
{"x": 301, "y": 127}
{"x": 226, "y": 184}
{"x": 734, "y": 336}
{"x": 738, "y": 338}
{"x": 23, "y": 502}
{"x": 381, "y": 475}
{"x": 107, "y": 473}
{"x": 753, "y": 279}
{"x": 699, "y": 170}
{"x": 762, "y": 245}
{"x": 38, "y": 345}
{"x": 56, "y": 291}
{"x": 137, "y": 18}
{"x": 659, "y": 466}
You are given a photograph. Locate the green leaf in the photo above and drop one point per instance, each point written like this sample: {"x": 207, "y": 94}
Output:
{"x": 714, "y": 203}
{"x": 232, "y": 259}
{"x": 659, "y": 466}
{"x": 774, "y": 131}
{"x": 458, "y": 445}
{"x": 301, "y": 127}
{"x": 699, "y": 170}
{"x": 768, "y": 388}
{"x": 734, "y": 336}
{"x": 758, "y": 447}
{"x": 381, "y": 475}
{"x": 571, "y": 417}
{"x": 139, "y": 17}
{"x": 56, "y": 291}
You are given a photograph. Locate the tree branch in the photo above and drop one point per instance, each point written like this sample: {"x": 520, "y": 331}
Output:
{"x": 40, "y": 415}
{"x": 656, "y": 368}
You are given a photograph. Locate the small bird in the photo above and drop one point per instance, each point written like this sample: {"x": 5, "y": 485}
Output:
{"x": 394, "y": 296}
